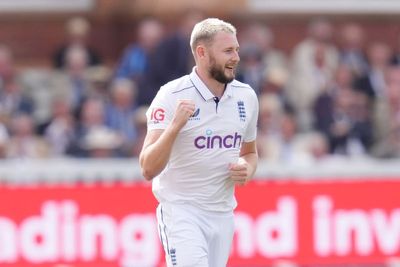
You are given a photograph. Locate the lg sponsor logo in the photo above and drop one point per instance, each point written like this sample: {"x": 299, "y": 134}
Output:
{"x": 157, "y": 115}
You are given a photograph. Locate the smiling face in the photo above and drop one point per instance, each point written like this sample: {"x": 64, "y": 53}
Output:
{"x": 222, "y": 57}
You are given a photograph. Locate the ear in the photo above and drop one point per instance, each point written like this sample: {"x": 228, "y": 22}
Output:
{"x": 200, "y": 51}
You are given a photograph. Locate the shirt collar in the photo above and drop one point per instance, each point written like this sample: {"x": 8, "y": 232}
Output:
{"x": 203, "y": 89}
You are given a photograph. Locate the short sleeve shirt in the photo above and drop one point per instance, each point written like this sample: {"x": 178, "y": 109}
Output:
{"x": 197, "y": 171}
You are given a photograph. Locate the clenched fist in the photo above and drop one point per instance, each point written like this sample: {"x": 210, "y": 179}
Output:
{"x": 184, "y": 109}
{"x": 239, "y": 173}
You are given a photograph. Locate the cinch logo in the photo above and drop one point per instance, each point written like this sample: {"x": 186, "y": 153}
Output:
{"x": 157, "y": 114}
{"x": 210, "y": 141}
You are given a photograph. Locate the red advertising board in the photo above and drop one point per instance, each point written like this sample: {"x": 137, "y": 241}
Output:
{"x": 314, "y": 222}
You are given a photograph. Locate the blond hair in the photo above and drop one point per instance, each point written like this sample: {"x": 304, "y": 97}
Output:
{"x": 205, "y": 30}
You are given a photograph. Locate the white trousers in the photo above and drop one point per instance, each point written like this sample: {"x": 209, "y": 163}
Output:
{"x": 192, "y": 237}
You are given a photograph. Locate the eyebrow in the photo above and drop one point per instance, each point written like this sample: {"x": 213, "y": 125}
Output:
{"x": 231, "y": 48}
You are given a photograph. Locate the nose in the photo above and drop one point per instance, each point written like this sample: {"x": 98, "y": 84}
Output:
{"x": 236, "y": 56}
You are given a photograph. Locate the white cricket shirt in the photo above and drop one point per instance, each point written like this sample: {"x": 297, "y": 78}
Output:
{"x": 197, "y": 171}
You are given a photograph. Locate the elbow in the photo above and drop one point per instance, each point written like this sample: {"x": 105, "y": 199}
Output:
{"x": 149, "y": 169}
{"x": 145, "y": 171}
{"x": 147, "y": 174}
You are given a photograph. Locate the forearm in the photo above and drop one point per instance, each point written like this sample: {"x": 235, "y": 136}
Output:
{"x": 154, "y": 157}
{"x": 158, "y": 144}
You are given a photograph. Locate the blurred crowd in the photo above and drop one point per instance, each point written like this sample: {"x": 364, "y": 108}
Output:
{"x": 336, "y": 94}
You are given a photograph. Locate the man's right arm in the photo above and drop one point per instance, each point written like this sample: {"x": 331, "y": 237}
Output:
{"x": 158, "y": 143}
{"x": 156, "y": 150}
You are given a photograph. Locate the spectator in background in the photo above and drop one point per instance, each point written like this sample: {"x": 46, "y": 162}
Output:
{"x": 387, "y": 118}
{"x": 91, "y": 118}
{"x": 251, "y": 69}
{"x": 77, "y": 33}
{"x": 120, "y": 112}
{"x": 13, "y": 99}
{"x": 352, "y": 40}
{"x": 324, "y": 104}
{"x": 102, "y": 143}
{"x": 313, "y": 64}
{"x": 72, "y": 81}
{"x": 372, "y": 83}
{"x": 262, "y": 36}
{"x": 99, "y": 79}
{"x": 270, "y": 116}
{"x": 395, "y": 59}
{"x": 342, "y": 115}
{"x": 275, "y": 82}
{"x": 171, "y": 59}
{"x": 24, "y": 143}
{"x": 284, "y": 145}
{"x": 278, "y": 138}
{"x": 59, "y": 132}
{"x": 374, "y": 86}
{"x": 271, "y": 112}
{"x": 258, "y": 55}
{"x": 135, "y": 60}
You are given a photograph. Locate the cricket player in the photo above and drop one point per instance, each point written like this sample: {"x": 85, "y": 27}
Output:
{"x": 200, "y": 143}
